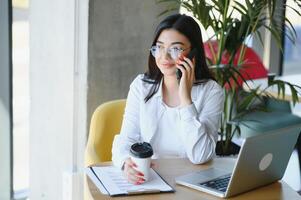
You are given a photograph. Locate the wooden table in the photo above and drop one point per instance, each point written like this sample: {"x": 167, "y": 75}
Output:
{"x": 170, "y": 168}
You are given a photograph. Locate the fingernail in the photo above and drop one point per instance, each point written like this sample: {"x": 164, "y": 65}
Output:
{"x": 140, "y": 174}
{"x": 142, "y": 179}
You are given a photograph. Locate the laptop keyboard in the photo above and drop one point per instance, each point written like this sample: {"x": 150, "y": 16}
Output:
{"x": 219, "y": 183}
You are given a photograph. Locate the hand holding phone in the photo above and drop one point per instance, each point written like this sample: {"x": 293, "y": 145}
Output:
{"x": 190, "y": 56}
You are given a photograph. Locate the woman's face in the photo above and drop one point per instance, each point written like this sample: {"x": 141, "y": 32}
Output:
{"x": 170, "y": 41}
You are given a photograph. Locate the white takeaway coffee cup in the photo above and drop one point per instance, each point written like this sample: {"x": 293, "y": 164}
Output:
{"x": 141, "y": 154}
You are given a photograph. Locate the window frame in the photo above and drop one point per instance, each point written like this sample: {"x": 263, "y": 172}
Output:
{"x": 6, "y": 115}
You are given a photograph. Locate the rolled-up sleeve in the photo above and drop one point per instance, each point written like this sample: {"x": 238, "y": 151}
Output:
{"x": 199, "y": 126}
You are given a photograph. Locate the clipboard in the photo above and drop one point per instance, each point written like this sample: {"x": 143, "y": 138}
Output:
{"x": 110, "y": 181}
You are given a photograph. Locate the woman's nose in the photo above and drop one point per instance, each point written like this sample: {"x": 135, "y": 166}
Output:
{"x": 166, "y": 55}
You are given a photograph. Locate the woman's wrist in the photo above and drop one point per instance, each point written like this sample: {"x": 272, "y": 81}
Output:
{"x": 186, "y": 102}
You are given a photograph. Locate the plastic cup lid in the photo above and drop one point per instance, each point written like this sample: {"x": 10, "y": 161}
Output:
{"x": 142, "y": 150}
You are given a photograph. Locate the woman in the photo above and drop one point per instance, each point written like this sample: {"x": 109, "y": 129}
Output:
{"x": 179, "y": 118}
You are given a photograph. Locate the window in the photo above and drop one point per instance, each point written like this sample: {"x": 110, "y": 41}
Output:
{"x": 292, "y": 52}
{"x": 20, "y": 48}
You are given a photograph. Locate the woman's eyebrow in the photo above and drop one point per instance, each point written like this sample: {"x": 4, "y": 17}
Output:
{"x": 173, "y": 43}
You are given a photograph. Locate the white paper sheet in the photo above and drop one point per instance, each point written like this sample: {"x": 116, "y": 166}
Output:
{"x": 114, "y": 182}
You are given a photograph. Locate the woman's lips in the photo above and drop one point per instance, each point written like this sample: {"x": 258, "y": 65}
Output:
{"x": 168, "y": 64}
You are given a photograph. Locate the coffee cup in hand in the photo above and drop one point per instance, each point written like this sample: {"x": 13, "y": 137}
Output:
{"x": 141, "y": 154}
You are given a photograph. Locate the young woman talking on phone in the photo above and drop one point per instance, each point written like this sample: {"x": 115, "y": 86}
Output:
{"x": 180, "y": 116}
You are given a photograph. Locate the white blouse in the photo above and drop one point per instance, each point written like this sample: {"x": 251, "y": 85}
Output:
{"x": 195, "y": 130}
{"x": 166, "y": 141}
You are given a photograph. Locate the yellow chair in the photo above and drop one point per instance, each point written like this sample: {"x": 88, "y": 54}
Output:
{"x": 105, "y": 124}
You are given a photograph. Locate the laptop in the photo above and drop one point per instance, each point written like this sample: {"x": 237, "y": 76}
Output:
{"x": 262, "y": 160}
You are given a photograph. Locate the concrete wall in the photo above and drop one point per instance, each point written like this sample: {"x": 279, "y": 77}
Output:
{"x": 120, "y": 34}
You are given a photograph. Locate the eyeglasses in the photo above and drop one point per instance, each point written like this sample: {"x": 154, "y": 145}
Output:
{"x": 174, "y": 52}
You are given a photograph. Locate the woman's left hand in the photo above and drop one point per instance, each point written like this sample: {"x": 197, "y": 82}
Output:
{"x": 186, "y": 82}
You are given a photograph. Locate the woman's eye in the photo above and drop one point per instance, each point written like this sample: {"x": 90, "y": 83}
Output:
{"x": 177, "y": 48}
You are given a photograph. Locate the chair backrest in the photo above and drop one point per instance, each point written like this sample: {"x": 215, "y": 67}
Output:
{"x": 105, "y": 124}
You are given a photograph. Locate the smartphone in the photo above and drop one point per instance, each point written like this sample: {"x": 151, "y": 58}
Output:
{"x": 190, "y": 56}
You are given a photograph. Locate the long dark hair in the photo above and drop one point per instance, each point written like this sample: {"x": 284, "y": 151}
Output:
{"x": 187, "y": 26}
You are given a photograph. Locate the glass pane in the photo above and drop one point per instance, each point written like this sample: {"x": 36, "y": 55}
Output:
{"x": 20, "y": 98}
{"x": 5, "y": 101}
{"x": 292, "y": 52}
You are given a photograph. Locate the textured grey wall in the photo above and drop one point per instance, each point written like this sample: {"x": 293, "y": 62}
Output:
{"x": 120, "y": 34}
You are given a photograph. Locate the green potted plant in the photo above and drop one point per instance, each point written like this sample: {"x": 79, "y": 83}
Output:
{"x": 232, "y": 22}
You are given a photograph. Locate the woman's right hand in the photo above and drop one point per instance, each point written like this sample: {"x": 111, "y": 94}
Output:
{"x": 131, "y": 174}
